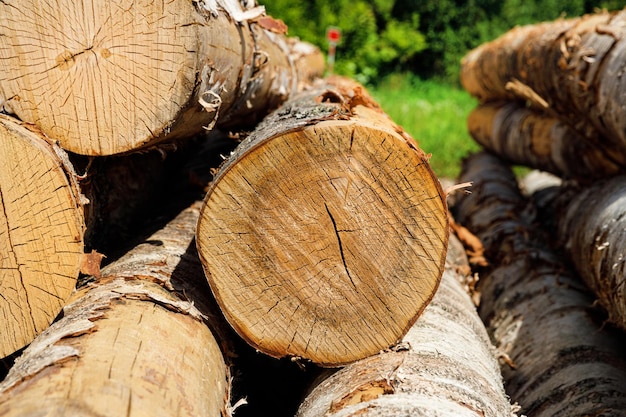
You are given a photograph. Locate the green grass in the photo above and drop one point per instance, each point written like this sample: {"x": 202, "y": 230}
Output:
{"x": 434, "y": 114}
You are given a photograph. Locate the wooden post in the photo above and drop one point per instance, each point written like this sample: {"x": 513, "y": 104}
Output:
{"x": 324, "y": 235}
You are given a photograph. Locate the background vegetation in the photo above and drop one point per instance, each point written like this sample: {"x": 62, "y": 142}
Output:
{"x": 408, "y": 53}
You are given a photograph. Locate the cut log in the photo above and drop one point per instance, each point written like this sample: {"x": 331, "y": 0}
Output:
{"x": 41, "y": 233}
{"x": 571, "y": 67}
{"x": 130, "y": 343}
{"x": 524, "y": 136}
{"x": 557, "y": 357}
{"x": 107, "y": 78}
{"x": 324, "y": 235}
{"x": 445, "y": 365}
{"x": 590, "y": 225}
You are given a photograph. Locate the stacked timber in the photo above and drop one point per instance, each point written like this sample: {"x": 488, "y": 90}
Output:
{"x": 129, "y": 281}
{"x": 552, "y": 287}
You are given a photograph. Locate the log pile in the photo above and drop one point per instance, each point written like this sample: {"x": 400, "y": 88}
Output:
{"x": 552, "y": 268}
{"x": 187, "y": 203}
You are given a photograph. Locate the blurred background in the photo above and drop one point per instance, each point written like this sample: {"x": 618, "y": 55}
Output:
{"x": 408, "y": 52}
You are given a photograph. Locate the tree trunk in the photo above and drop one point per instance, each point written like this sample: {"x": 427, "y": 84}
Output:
{"x": 590, "y": 224}
{"x": 528, "y": 137}
{"x": 130, "y": 343}
{"x": 41, "y": 233}
{"x": 571, "y": 67}
{"x": 324, "y": 235}
{"x": 105, "y": 78}
{"x": 445, "y": 365}
{"x": 558, "y": 360}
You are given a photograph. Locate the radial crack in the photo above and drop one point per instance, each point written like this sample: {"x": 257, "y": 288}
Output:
{"x": 343, "y": 258}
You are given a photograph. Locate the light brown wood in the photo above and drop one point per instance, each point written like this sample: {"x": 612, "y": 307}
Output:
{"x": 557, "y": 356}
{"x": 324, "y": 235}
{"x": 445, "y": 365}
{"x": 41, "y": 233}
{"x": 109, "y": 77}
{"x": 129, "y": 344}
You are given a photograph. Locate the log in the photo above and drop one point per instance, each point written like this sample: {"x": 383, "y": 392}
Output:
{"x": 131, "y": 343}
{"x": 590, "y": 226}
{"x": 445, "y": 365}
{"x": 42, "y": 226}
{"x": 557, "y": 357}
{"x": 532, "y": 138}
{"x": 108, "y": 78}
{"x": 324, "y": 235}
{"x": 570, "y": 66}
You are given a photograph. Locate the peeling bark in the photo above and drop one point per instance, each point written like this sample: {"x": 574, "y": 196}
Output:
{"x": 570, "y": 67}
{"x": 130, "y": 343}
{"x": 323, "y": 236}
{"x": 444, "y": 366}
{"x": 558, "y": 359}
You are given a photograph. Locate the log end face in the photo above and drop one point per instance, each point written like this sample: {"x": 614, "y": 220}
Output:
{"x": 326, "y": 243}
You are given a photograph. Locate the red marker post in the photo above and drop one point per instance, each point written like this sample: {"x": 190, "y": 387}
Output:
{"x": 333, "y": 35}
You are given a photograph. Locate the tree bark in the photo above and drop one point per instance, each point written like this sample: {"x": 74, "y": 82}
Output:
{"x": 558, "y": 358}
{"x": 590, "y": 225}
{"x": 323, "y": 236}
{"x": 130, "y": 343}
{"x": 524, "y": 136}
{"x": 445, "y": 365}
{"x": 41, "y": 233}
{"x": 108, "y": 78}
{"x": 571, "y": 67}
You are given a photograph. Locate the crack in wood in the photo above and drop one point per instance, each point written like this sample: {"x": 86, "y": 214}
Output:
{"x": 343, "y": 258}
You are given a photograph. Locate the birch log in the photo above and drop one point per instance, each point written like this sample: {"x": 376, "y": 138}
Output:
{"x": 109, "y": 77}
{"x": 324, "y": 235}
{"x": 571, "y": 67}
{"x": 41, "y": 233}
{"x": 129, "y": 344}
{"x": 557, "y": 357}
{"x": 445, "y": 366}
{"x": 590, "y": 225}
{"x": 530, "y": 137}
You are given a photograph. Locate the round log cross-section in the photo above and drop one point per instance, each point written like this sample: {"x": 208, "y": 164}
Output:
{"x": 41, "y": 234}
{"x": 324, "y": 235}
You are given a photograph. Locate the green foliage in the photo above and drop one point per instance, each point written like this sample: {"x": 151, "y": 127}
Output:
{"x": 426, "y": 37}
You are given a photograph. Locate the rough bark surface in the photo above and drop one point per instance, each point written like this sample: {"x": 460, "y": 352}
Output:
{"x": 558, "y": 359}
{"x": 590, "y": 224}
{"x": 130, "y": 343}
{"x": 570, "y": 66}
{"x": 323, "y": 236}
{"x": 41, "y": 233}
{"x": 533, "y": 138}
{"x": 445, "y": 365}
{"x": 106, "y": 78}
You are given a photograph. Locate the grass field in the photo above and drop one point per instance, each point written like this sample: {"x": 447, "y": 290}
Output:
{"x": 434, "y": 114}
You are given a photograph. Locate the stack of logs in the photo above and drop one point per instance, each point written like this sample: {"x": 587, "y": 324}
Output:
{"x": 143, "y": 276}
{"x": 553, "y": 256}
